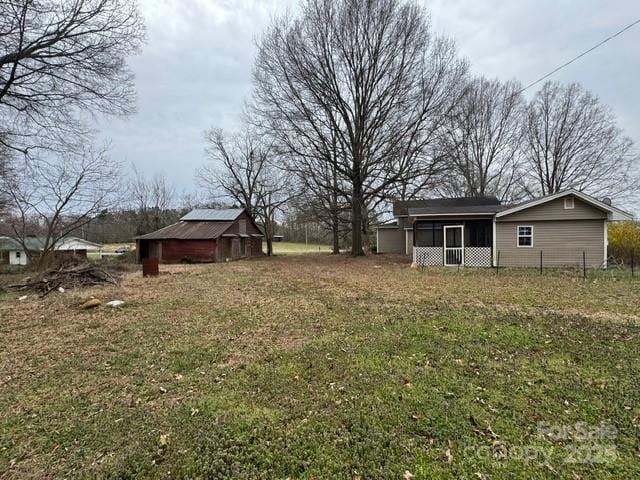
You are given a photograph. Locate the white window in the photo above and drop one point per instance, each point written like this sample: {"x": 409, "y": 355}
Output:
{"x": 525, "y": 236}
{"x": 18, "y": 255}
{"x": 568, "y": 203}
{"x": 242, "y": 225}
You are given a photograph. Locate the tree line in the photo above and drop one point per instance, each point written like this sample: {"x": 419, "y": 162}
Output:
{"x": 354, "y": 105}
{"x": 360, "y": 106}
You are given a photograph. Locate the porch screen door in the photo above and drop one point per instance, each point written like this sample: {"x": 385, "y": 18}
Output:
{"x": 453, "y": 245}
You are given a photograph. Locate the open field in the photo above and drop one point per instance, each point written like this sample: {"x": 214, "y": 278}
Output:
{"x": 290, "y": 248}
{"x": 318, "y": 366}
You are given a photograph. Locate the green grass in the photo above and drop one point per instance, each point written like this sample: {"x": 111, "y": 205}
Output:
{"x": 319, "y": 367}
{"x": 290, "y": 248}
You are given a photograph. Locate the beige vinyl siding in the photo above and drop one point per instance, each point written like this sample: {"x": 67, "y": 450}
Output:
{"x": 391, "y": 240}
{"x": 554, "y": 210}
{"x": 561, "y": 242}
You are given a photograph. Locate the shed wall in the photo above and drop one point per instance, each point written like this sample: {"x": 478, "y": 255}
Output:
{"x": 192, "y": 250}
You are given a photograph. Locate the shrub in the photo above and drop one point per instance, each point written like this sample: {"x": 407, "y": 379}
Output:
{"x": 624, "y": 241}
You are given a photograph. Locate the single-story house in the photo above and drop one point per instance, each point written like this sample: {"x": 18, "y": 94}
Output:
{"x": 12, "y": 252}
{"x": 560, "y": 228}
{"x": 204, "y": 235}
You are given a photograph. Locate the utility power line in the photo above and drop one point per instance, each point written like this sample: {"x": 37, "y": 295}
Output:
{"x": 620, "y": 32}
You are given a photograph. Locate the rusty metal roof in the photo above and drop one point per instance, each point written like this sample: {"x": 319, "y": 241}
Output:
{"x": 190, "y": 230}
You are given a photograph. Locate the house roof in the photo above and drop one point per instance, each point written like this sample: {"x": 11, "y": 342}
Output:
{"x": 391, "y": 224}
{"x": 37, "y": 243}
{"x": 212, "y": 215}
{"x": 613, "y": 213}
{"x": 189, "y": 230}
{"x": 443, "y": 205}
{"x": 480, "y": 210}
{"x": 7, "y": 243}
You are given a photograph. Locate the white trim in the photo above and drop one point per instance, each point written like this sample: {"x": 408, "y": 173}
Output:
{"x": 614, "y": 213}
{"x": 569, "y": 205}
{"x": 493, "y": 243}
{"x": 444, "y": 245}
{"x": 606, "y": 244}
{"x": 429, "y": 215}
{"x": 518, "y": 227}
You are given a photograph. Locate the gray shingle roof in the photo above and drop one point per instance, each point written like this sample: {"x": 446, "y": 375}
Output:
{"x": 444, "y": 204}
{"x": 460, "y": 210}
{"x": 211, "y": 215}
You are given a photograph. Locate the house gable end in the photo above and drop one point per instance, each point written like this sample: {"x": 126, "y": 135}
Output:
{"x": 554, "y": 210}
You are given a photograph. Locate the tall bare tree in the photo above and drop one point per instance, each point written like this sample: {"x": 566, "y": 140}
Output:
{"x": 237, "y": 166}
{"x": 60, "y": 196}
{"x": 62, "y": 59}
{"x": 370, "y": 74}
{"x": 5, "y": 157}
{"x": 573, "y": 141}
{"x": 153, "y": 199}
{"x": 483, "y": 141}
{"x": 243, "y": 170}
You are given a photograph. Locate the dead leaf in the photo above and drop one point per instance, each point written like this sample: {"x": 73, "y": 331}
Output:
{"x": 449, "y": 456}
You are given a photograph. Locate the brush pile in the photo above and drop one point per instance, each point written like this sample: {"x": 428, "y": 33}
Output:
{"x": 66, "y": 277}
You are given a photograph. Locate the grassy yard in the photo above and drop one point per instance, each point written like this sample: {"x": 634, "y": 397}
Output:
{"x": 317, "y": 366}
{"x": 290, "y": 248}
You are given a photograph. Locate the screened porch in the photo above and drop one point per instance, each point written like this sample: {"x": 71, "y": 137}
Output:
{"x": 453, "y": 242}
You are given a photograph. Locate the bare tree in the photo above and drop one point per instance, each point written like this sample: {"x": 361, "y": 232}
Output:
{"x": 237, "y": 167}
{"x": 4, "y": 178}
{"x": 573, "y": 141}
{"x": 60, "y": 195}
{"x": 60, "y": 59}
{"x": 243, "y": 171}
{"x": 153, "y": 201}
{"x": 483, "y": 141}
{"x": 373, "y": 76}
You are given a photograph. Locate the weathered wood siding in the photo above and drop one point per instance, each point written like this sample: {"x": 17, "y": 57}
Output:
{"x": 561, "y": 243}
{"x": 256, "y": 246}
{"x": 188, "y": 250}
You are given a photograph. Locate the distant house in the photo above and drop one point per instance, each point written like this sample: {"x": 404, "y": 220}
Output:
{"x": 560, "y": 228}
{"x": 12, "y": 252}
{"x": 204, "y": 235}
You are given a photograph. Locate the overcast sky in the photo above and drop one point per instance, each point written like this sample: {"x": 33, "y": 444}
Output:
{"x": 194, "y": 72}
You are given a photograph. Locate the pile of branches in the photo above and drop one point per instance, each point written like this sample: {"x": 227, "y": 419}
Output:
{"x": 66, "y": 277}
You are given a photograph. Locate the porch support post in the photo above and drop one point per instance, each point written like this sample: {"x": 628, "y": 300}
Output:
{"x": 493, "y": 242}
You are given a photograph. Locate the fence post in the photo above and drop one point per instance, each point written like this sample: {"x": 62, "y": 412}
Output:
{"x": 632, "y": 265}
{"x": 540, "y": 262}
{"x": 584, "y": 264}
{"x": 498, "y": 263}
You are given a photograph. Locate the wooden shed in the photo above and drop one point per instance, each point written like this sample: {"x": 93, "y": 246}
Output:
{"x": 204, "y": 235}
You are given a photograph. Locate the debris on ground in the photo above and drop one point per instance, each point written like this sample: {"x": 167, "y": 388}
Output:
{"x": 91, "y": 303}
{"x": 66, "y": 277}
{"x": 114, "y": 303}
{"x": 24, "y": 297}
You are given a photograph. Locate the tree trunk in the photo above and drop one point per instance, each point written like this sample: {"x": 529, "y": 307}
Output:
{"x": 335, "y": 232}
{"x": 356, "y": 220}
{"x": 269, "y": 245}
